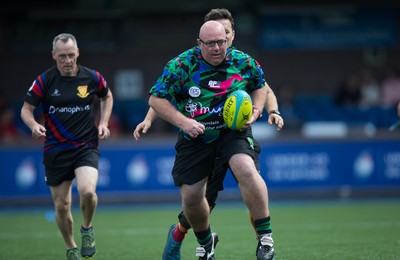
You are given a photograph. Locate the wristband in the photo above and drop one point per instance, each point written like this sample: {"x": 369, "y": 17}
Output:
{"x": 276, "y": 112}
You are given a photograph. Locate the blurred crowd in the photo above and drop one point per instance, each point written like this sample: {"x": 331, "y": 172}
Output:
{"x": 359, "y": 91}
{"x": 364, "y": 89}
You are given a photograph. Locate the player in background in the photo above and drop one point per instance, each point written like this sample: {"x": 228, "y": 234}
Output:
{"x": 178, "y": 231}
{"x": 398, "y": 109}
{"x": 67, "y": 93}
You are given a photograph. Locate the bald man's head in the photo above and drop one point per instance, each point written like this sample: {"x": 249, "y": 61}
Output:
{"x": 212, "y": 28}
{"x": 212, "y": 41}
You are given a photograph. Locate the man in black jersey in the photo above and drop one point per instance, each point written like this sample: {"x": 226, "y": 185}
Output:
{"x": 215, "y": 184}
{"x": 67, "y": 93}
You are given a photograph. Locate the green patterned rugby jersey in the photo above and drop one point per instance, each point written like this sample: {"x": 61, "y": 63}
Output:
{"x": 199, "y": 89}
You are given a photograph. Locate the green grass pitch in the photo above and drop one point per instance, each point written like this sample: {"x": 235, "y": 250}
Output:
{"x": 334, "y": 229}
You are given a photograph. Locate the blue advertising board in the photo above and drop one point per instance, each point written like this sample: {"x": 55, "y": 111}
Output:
{"x": 284, "y": 165}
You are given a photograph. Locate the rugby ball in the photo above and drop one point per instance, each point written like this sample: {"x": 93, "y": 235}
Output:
{"x": 238, "y": 109}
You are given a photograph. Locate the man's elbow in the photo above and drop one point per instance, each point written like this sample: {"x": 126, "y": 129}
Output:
{"x": 154, "y": 102}
{"x": 151, "y": 101}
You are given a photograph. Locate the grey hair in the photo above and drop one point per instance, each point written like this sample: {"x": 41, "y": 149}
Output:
{"x": 64, "y": 37}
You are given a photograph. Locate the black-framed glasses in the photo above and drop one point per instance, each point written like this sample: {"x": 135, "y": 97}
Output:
{"x": 211, "y": 44}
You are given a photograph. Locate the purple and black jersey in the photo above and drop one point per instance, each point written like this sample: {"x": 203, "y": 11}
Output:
{"x": 68, "y": 107}
{"x": 199, "y": 89}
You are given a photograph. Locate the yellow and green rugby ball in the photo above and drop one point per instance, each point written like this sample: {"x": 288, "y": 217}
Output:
{"x": 238, "y": 109}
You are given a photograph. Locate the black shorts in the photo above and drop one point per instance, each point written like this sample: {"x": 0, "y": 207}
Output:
{"x": 71, "y": 159}
{"x": 195, "y": 160}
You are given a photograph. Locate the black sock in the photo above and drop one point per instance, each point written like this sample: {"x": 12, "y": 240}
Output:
{"x": 203, "y": 237}
{"x": 86, "y": 229}
{"x": 263, "y": 226}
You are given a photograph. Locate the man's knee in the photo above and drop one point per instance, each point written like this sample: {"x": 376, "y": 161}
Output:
{"x": 88, "y": 196}
{"x": 62, "y": 206}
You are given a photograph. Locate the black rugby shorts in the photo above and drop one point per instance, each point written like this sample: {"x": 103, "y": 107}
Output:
{"x": 194, "y": 160}
{"x": 72, "y": 159}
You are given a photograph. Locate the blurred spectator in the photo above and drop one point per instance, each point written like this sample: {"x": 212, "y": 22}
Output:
{"x": 9, "y": 132}
{"x": 286, "y": 107}
{"x": 114, "y": 123}
{"x": 370, "y": 89}
{"x": 390, "y": 88}
{"x": 349, "y": 91}
{"x": 115, "y": 127}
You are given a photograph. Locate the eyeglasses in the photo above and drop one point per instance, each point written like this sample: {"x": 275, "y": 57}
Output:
{"x": 211, "y": 44}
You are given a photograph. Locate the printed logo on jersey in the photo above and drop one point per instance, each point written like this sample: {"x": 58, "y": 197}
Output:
{"x": 197, "y": 109}
{"x": 194, "y": 91}
{"x": 82, "y": 91}
{"x": 69, "y": 110}
{"x": 214, "y": 84}
{"x": 56, "y": 93}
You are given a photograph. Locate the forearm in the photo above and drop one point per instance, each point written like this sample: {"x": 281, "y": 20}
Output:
{"x": 27, "y": 116}
{"x": 106, "y": 105}
{"x": 166, "y": 111}
{"x": 259, "y": 97}
{"x": 151, "y": 115}
{"x": 271, "y": 101}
